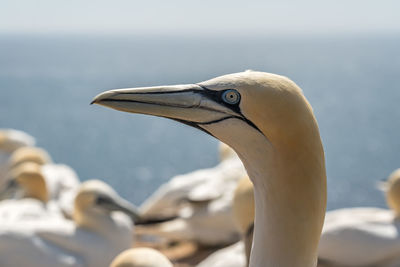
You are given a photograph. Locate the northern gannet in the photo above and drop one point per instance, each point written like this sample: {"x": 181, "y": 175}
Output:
{"x": 238, "y": 254}
{"x": 267, "y": 120}
{"x": 29, "y": 154}
{"x": 202, "y": 202}
{"x": 61, "y": 180}
{"x": 33, "y": 199}
{"x": 10, "y": 140}
{"x": 99, "y": 232}
{"x": 141, "y": 257}
{"x": 364, "y": 236}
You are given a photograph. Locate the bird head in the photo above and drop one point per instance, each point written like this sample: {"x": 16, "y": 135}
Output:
{"x": 96, "y": 197}
{"x": 392, "y": 191}
{"x": 29, "y": 154}
{"x": 28, "y": 179}
{"x": 228, "y": 107}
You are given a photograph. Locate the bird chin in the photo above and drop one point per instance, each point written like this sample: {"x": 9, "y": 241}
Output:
{"x": 203, "y": 125}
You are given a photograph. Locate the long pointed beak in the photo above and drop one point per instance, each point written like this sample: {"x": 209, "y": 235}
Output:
{"x": 120, "y": 204}
{"x": 191, "y": 103}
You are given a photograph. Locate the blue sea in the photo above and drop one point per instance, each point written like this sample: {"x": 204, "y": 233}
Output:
{"x": 352, "y": 82}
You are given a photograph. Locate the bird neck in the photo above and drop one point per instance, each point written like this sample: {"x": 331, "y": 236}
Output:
{"x": 287, "y": 168}
{"x": 290, "y": 201}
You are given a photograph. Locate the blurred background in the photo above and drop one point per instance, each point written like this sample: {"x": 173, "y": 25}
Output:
{"x": 55, "y": 56}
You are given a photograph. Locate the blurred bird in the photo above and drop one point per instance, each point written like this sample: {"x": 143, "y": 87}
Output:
{"x": 11, "y": 140}
{"x": 141, "y": 257}
{"x": 61, "y": 180}
{"x": 238, "y": 254}
{"x": 364, "y": 236}
{"x": 32, "y": 203}
{"x": 202, "y": 202}
{"x": 197, "y": 186}
{"x": 100, "y": 230}
{"x": 244, "y": 212}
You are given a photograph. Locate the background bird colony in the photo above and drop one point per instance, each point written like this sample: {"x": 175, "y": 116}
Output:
{"x": 48, "y": 81}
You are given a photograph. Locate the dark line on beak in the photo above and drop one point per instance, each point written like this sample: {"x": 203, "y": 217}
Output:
{"x": 213, "y": 95}
{"x": 148, "y": 103}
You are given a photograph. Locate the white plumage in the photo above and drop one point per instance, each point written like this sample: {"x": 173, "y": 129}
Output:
{"x": 33, "y": 196}
{"x": 141, "y": 257}
{"x": 202, "y": 200}
{"x": 237, "y": 255}
{"x": 11, "y": 140}
{"x": 63, "y": 184}
{"x": 61, "y": 181}
{"x": 364, "y": 236}
{"x": 232, "y": 256}
{"x": 95, "y": 236}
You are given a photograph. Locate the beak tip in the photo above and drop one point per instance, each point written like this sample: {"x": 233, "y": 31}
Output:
{"x": 103, "y": 96}
{"x": 97, "y": 99}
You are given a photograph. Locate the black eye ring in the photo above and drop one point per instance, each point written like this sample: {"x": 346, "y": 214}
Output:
{"x": 231, "y": 96}
{"x": 101, "y": 200}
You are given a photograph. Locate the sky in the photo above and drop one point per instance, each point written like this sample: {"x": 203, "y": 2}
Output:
{"x": 199, "y": 17}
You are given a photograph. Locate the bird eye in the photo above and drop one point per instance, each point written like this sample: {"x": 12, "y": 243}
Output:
{"x": 231, "y": 96}
{"x": 101, "y": 200}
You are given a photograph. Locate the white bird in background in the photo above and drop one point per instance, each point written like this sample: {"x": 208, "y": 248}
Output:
{"x": 10, "y": 140}
{"x": 98, "y": 233}
{"x": 244, "y": 212}
{"x": 232, "y": 256}
{"x": 196, "y": 186}
{"x": 266, "y": 119}
{"x": 141, "y": 257}
{"x": 364, "y": 236}
{"x": 33, "y": 200}
{"x": 61, "y": 180}
{"x": 29, "y": 154}
{"x": 202, "y": 200}
{"x": 238, "y": 254}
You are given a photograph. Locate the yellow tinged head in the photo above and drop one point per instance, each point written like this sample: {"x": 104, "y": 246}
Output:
{"x": 274, "y": 103}
{"x": 393, "y": 191}
{"x": 10, "y": 140}
{"x": 29, "y": 154}
{"x": 87, "y": 196}
{"x": 3, "y": 139}
{"x": 30, "y": 179}
{"x": 96, "y": 199}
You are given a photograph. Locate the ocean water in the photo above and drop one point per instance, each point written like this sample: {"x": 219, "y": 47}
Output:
{"x": 47, "y": 83}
